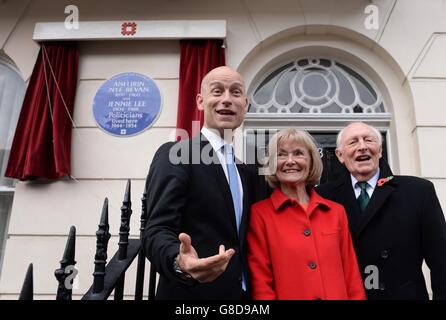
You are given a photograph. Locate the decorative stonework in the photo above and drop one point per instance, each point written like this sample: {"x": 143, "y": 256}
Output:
{"x": 128, "y": 28}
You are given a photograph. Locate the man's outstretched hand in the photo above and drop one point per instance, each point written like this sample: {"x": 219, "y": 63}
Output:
{"x": 204, "y": 269}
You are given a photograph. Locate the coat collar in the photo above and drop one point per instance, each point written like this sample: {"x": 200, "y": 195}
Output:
{"x": 281, "y": 200}
{"x": 379, "y": 197}
{"x": 384, "y": 171}
{"x": 358, "y": 220}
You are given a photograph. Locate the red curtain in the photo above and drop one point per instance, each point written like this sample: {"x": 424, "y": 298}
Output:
{"x": 197, "y": 58}
{"x": 42, "y": 142}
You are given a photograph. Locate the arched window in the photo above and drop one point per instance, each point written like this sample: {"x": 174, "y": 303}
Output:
{"x": 320, "y": 95}
{"x": 316, "y": 86}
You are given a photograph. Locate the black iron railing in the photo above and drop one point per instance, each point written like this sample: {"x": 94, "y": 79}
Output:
{"x": 107, "y": 277}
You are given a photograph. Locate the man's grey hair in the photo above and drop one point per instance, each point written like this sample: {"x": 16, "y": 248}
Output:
{"x": 376, "y": 131}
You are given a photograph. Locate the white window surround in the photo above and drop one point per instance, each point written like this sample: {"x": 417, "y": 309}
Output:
{"x": 313, "y": 125}
{"x": 346, "y": 47}
{"x": 145, "y": 30}
{"x": 314, "y": 122}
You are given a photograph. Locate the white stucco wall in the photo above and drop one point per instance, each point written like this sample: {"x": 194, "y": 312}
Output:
{"x": 404, "y": 57}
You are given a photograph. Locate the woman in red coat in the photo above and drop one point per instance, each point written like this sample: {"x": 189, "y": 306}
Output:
{"x": 299, "y": 244}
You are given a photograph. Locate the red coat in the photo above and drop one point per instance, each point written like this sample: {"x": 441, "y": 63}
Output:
{"x": 298, "y": 254}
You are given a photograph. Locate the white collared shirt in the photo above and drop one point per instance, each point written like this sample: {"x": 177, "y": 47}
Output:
{"x": 370, "y": 187}
{"x": 217, "y": 143}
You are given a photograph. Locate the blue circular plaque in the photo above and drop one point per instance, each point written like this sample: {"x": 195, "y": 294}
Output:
{"x": 127, "y": 104}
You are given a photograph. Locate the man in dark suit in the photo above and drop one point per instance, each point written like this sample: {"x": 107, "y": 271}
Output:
{"x": 199, "y": 200}
{"x": 396, "y": 222}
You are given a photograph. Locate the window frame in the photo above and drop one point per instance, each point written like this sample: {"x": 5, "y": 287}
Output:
{"x": 316, "y": 122}
{"x": 8, "y": 190}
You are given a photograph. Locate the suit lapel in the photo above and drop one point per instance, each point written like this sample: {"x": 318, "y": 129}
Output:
{"x": 379, "y": 197}
{"x": 346, "y": 196}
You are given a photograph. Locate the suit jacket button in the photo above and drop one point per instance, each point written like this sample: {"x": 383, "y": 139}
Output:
{"x": 307, "y": 232}
{"x": 312, "y": 265}
{"x": 384, "y": 254}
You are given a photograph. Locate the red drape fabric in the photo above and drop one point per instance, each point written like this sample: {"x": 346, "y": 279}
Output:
{"x": 42, "y": 142}
{"x": 197, "y": 58}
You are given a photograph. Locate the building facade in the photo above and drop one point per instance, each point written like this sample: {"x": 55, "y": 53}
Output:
{"x": 385, "y": 56}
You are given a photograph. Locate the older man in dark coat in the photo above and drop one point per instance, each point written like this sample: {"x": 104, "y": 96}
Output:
{"x": 396, "y": 222}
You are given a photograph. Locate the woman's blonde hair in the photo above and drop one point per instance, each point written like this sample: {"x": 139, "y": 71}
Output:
{"x": 294, "y": 135}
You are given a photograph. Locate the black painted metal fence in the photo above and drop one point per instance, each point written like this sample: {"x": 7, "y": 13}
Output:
{"x": 107, "y": 277}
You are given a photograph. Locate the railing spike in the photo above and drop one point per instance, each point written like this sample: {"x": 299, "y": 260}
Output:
{"x": 104, "y": 215}
{"x": 124, "y": 231}
{"x": 100, "y": 259}
{"x": 70, "y": 248}
{"x": 127, "y": 196}
{"x": 144, "y": 208}
{"x": 27, "y": 292}
{"x": 64, "y": 290}
{"x": 146, "y": 185}
{"x": 141, "y": 257}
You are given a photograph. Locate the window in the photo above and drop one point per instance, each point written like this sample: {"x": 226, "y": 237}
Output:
{"x": 319, "y": 95}
{"x": 315, "y": 86}
{"x": 256, "y": 141}
{"x": 12, "y": 91}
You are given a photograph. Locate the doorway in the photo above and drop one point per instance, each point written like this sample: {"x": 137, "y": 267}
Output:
{"x": 257, "y": 140}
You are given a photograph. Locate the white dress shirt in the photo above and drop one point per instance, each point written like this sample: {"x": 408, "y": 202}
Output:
{"x": 371, "y": 184}
{"x": 217, "y": 143}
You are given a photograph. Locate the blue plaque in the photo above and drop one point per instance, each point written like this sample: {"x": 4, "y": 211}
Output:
{"x": 127, "y": 104}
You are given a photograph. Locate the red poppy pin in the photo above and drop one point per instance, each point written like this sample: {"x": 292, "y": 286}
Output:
{"x": 382, "y": 181}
